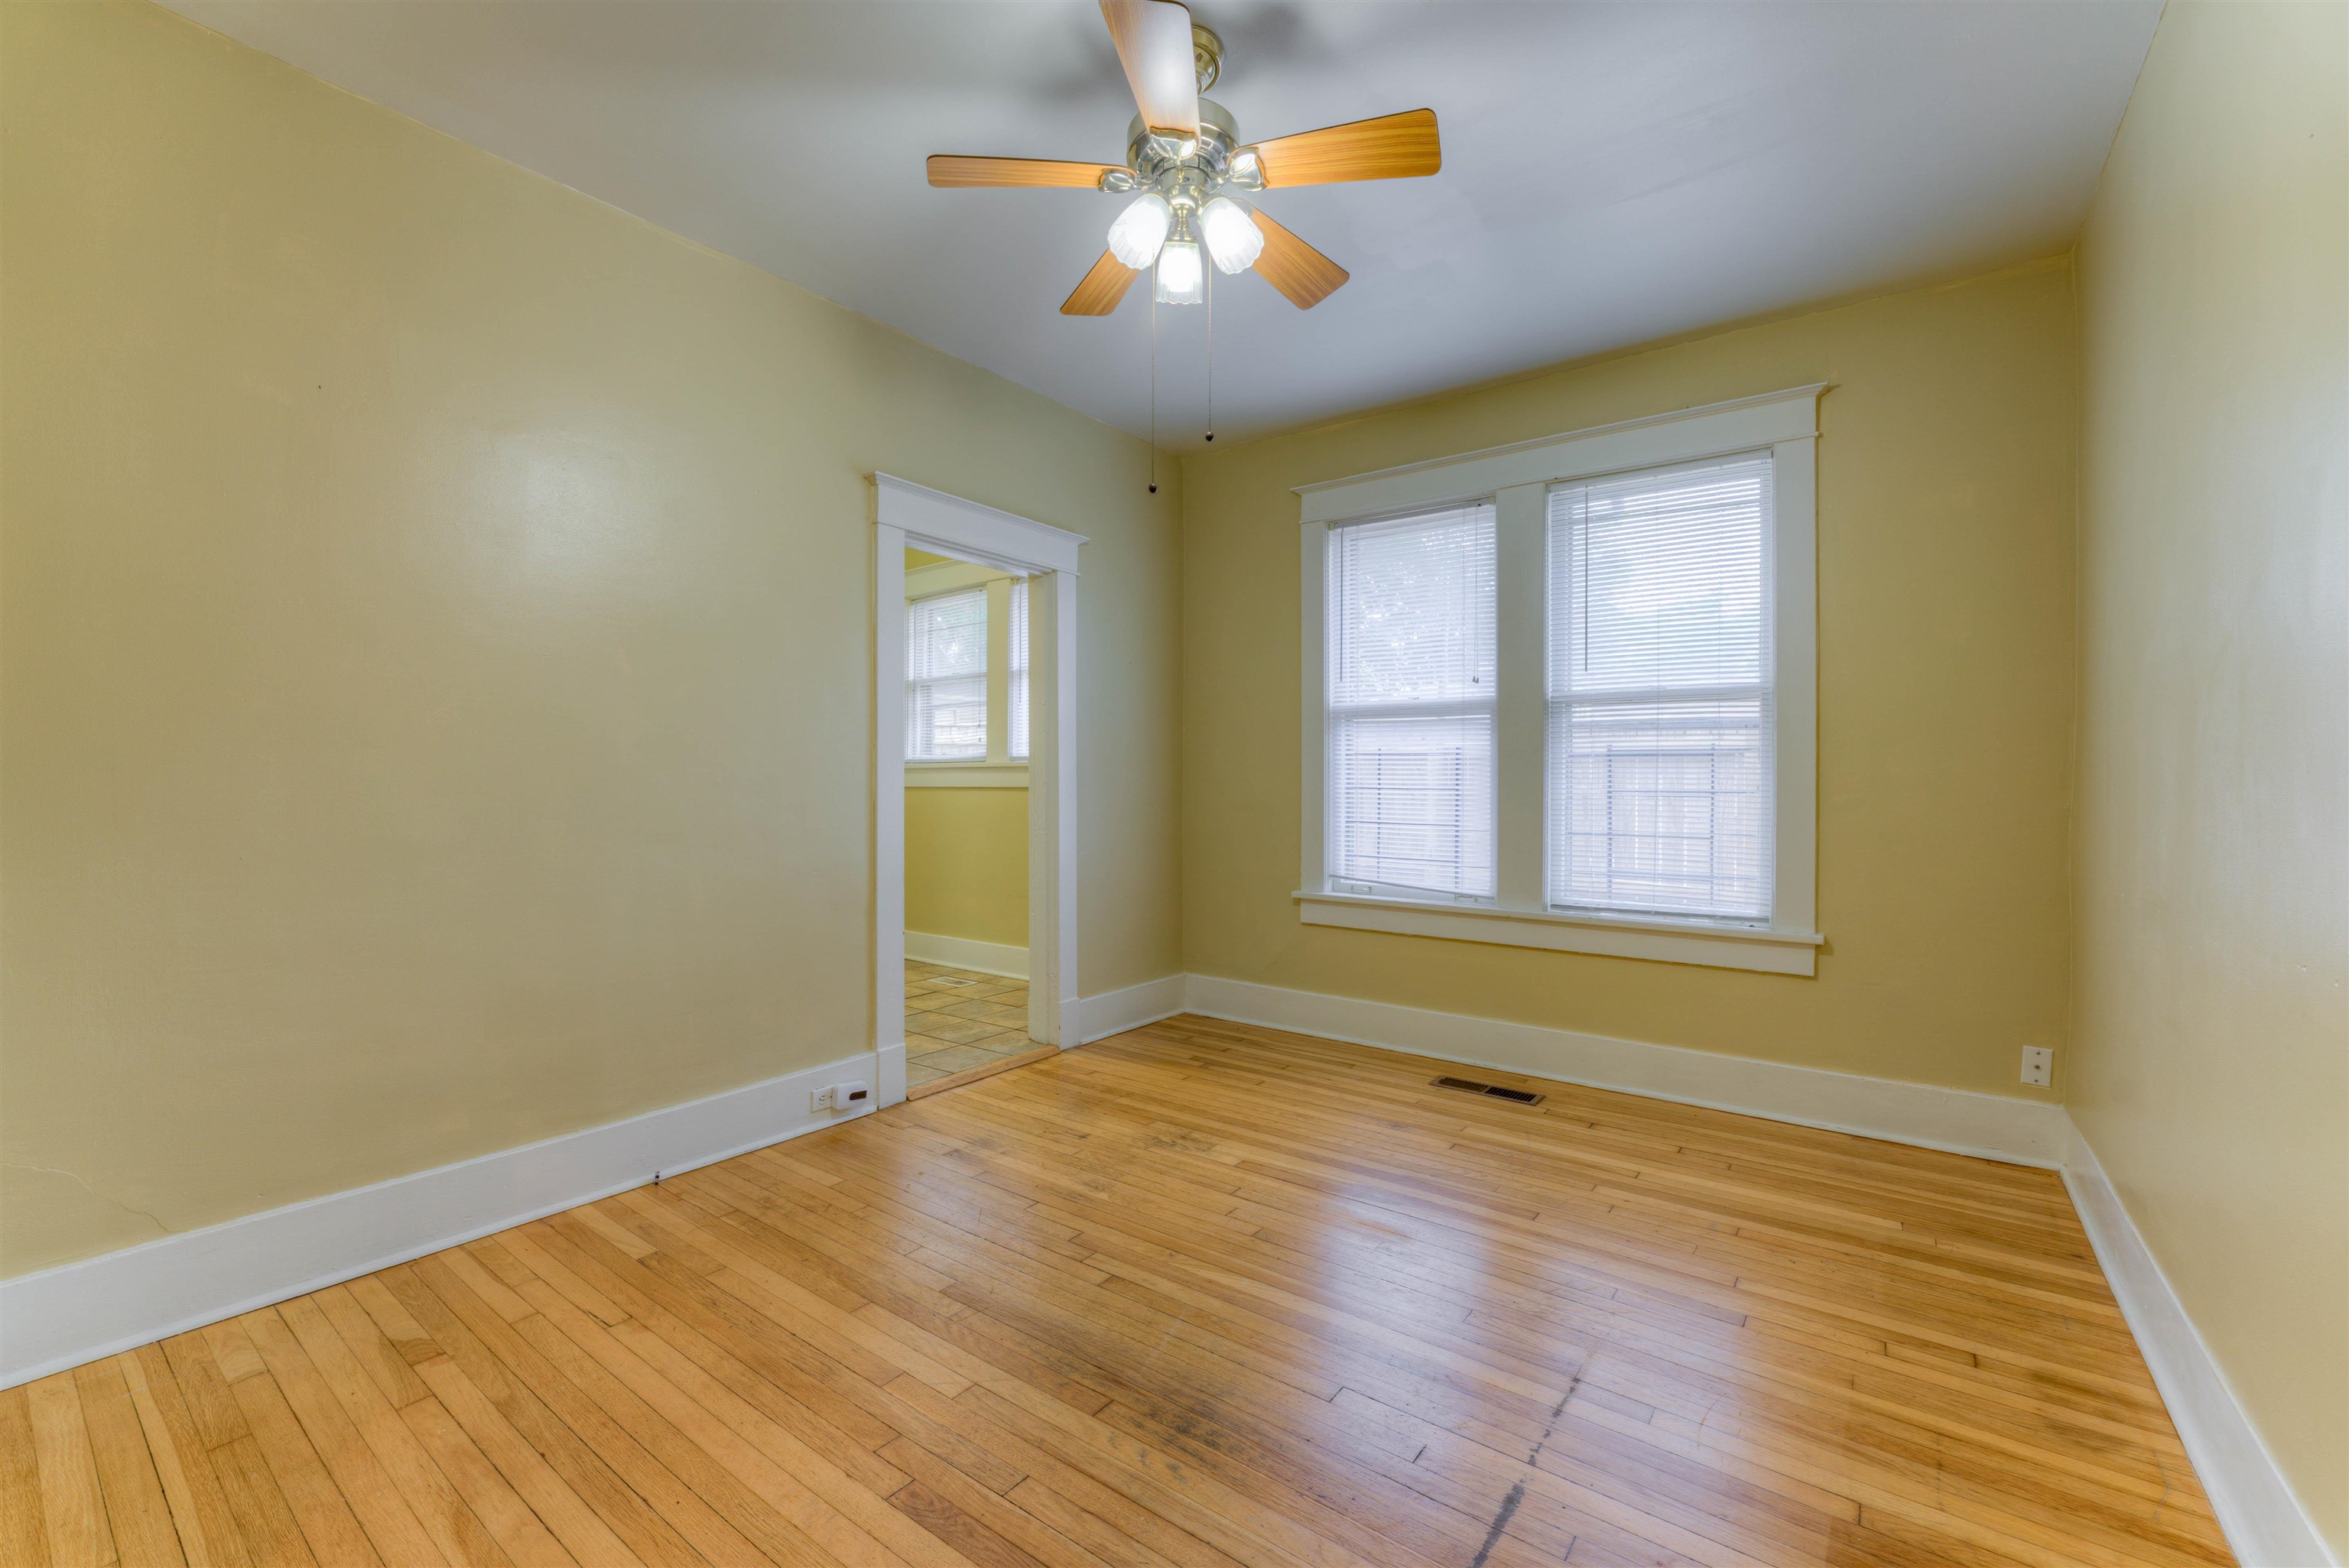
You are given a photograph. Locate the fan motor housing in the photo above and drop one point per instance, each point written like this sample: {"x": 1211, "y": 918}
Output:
{"x": 1184, "y": 171}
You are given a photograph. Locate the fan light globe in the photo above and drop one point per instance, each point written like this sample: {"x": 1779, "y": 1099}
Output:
{"x": 1181, "y": 278}
{"x": 1232, "y": 236}
{"x": 1141, "y": 230}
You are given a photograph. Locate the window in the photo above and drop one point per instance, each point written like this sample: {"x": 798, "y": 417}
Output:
{"x": 1658, "y": 782}
{"x": 1411, "y": 715}
{"x": 1562, "y": 694}
{"x": 945, "y": 676}
{"x": 967, "y": 707}
{"x": 1020, "y": 668}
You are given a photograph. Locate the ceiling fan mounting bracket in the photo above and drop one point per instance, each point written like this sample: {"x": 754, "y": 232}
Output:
{"x": 1206, "y": 55}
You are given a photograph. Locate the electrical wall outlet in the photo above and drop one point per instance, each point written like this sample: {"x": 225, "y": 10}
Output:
{"x": 2039, "y": 1065}
{"x": 840, "y": 1097}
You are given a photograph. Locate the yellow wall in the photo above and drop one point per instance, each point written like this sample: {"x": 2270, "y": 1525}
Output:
{"x": 966, "y": 864}
{"x": 1945, "y": 529}
{"x": 2212, "y": 1021}
{"x": 437, "y": 644}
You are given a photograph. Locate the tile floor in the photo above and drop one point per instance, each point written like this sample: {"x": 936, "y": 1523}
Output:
{"x": 957, "y": 1019}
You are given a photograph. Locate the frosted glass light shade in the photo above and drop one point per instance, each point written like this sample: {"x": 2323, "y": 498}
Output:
{"x": 1139, "y": 230}
{"x": 1232, "y": 236}
{"x": 1181, "y": 280}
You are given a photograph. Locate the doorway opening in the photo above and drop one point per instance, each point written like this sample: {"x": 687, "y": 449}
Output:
{"x": 967, "y": 844}
{"x": 975, "y": 722}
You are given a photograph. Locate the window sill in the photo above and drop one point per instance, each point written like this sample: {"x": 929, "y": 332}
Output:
{"x": 965, "y": 776}
{"x": 1617, "y": 936}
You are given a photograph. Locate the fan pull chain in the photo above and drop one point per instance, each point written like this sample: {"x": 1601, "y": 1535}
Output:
{"x": 1211, "y": 353}
{"x": 1154, "y": 391}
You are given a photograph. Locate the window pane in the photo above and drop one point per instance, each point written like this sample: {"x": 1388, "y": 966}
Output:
{"x": 947, "y": 635}
{"x": 1411, "y": 718}
{"x": 1662, "y": 577}
{"x": 945, "y": 676}
{"x": 949, "y": 718}
{"x": 1411, "y": 801}
{"x": 1410, "y": 612}
{"x": 1667, "y": 807}
{"x": 1659, "y": 787}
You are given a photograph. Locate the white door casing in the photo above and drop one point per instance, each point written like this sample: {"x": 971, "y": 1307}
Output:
{"x": 906, "y": 514}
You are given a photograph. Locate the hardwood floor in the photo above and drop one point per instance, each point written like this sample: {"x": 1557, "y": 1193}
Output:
{"x": 1199, "y": 1295}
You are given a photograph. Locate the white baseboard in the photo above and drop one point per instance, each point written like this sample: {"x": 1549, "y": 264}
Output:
{"x": 77, "y": 1312}
{"x": 1114, "y": 1012}
{"x": 2018, "y": 1131}
{"x": 962, "y": 953}
{"x": 2264, "y": 1522}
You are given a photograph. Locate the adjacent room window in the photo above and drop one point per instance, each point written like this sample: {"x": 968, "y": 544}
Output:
{"x": 1658, "y": 787}
{"x": 1020, "y": 668}
{"x": 1411, "y": 713}
{"x": 945, "y": 676}
{"x": 1562, "y": 693}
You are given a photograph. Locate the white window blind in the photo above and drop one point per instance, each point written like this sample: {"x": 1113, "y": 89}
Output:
{"x": 1661, "y": 715}
{"x": 945, "y": 677}
{"x": 1020, "y": 667}
{"x": 1411, "y": 703}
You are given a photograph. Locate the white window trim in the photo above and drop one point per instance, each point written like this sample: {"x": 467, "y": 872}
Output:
{"x": 1517, "y": 480}
{"x": 965, "y": 775}
{"x": 999, "y": 770}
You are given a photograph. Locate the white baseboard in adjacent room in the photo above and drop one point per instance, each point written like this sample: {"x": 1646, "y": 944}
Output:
{"x": 962, "y": 953}
{"x": 77, "y": 1312}
{"x": 1114, "y": 1012}
{"x": 2264, "y": 1522}
{"x": 2018, "y": 1131}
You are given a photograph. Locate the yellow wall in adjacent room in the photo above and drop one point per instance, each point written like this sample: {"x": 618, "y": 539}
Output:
{"x": 2212, "y": 1022}
{"x": 966, "y": 864}
{"x": 437, "y": 644}
{"x": 1945, "y": 550}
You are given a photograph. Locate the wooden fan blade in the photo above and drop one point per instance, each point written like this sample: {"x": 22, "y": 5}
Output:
{"x": 946, "y": 168}
{"x": 1102, "y": 289}
{"x": 1295, "y": 268}
{"x": 1391, "y": 147}
{"x": 1154, "y": 45}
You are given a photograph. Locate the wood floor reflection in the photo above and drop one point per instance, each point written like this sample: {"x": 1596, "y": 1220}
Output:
{"x": 1202, "y": 1296}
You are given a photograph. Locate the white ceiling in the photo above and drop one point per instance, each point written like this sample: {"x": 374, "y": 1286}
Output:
{"x": 1613, "y": 172}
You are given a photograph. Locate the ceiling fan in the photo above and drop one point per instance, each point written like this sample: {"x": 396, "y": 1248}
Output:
{"x": 1185, "y": 157}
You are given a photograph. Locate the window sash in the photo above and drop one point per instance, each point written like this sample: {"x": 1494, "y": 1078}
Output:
{"x": 1660, "y": 755}
{"x": 945, "y": 676}
{"x": 1410, "y": 720}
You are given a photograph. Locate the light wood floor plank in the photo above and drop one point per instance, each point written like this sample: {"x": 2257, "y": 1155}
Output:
{"x": 208, "y": 1530}
{"x": 75, "y": 1511}
{"x": 24, "y": 1530}
{"x": 137, "y": 1510}
{"x": 1202, "y": 1296}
